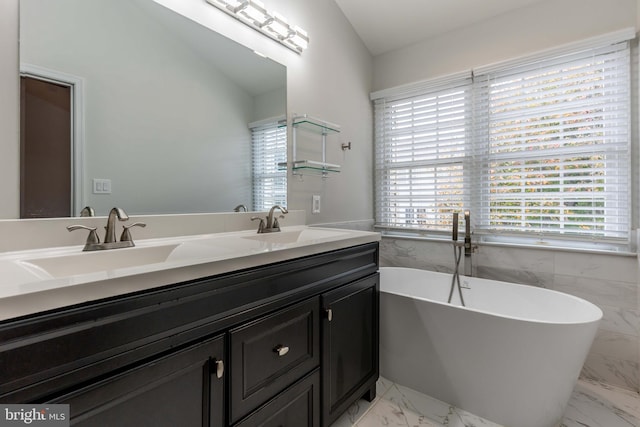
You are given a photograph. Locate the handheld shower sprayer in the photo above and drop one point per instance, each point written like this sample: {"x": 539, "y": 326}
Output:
{"x": 467, "y": 226}
{"x": 455, "y": 227}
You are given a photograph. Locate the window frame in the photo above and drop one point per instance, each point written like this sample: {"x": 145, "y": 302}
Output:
{"x": 268, "y": 151}
{"x": 476, "y": 177}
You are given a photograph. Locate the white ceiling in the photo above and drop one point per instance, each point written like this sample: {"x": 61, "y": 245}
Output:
{"x": 386, "y": 25}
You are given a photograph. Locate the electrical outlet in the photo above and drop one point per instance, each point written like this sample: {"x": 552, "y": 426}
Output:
{"x": 315, "y": 204}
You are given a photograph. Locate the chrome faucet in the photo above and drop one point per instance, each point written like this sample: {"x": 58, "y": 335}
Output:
{"x": 110, "y": 242}
{"x": 457, "y": 255}
{"x": 271, "y": 225}
{"x": 87, "y": 211}
{"x": 110, "y": 234}
{"x": 240, "y": 208}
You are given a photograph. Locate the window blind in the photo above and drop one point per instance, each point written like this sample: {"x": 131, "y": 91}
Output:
{"x": 537, "y": 148}
{"x": 268, "y": 148}
{"x": 421, "y": 151}
{"x": 556, "y": 156}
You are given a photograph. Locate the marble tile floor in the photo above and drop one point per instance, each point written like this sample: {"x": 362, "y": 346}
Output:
{"x": 592, "y": 405}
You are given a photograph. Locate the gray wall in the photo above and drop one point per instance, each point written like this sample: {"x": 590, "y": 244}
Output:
{"x": 541, "y": 25}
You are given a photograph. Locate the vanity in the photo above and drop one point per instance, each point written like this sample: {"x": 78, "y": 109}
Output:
{"x": 229, "y": 329}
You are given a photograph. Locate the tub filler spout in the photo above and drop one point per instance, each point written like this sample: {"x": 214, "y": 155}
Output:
{"x": 457, "y": 255}
{"x": 468, "y": 247}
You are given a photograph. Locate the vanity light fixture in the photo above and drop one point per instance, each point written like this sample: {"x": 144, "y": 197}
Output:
{"x": 253, "y": 12}
{"x": 274, "y": 25}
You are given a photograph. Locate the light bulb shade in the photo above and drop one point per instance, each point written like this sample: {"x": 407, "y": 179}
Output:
{"x": 300, "y": 39}
{"x": 254, "y": 12}
{"x": 296, "y": 39}
{"x": 279, "y": 27}
{"x": 231, "y": 5}
{"x": 274, "y": 25}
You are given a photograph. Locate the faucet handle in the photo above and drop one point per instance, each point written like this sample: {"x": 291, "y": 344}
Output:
{"x": 261, "y": 225}
{"x": 126, "y": 234}
{"x": 93, "y": 236}
{"x": 276, "y": 224}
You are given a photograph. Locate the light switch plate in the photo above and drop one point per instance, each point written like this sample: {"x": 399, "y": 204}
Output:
{"x": 101, "y": 186}
{"x": 315, "y": 204}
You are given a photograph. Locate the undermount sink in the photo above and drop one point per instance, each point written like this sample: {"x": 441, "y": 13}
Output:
{"x": 207, "y": 248}
{"x": 295, "y": 236}
{"x": 61, "y": 265}
{"x": 92, "y": 262}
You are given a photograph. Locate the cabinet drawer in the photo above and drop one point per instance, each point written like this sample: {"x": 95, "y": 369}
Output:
{"x": 298, "y": 406}
{"x": 271, "y": 353}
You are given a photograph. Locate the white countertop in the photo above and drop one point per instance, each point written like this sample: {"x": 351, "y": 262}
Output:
{"x": 32, "y": 281}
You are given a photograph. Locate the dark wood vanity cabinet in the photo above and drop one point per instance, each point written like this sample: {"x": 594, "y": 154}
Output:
{"x": 290, "y": 344}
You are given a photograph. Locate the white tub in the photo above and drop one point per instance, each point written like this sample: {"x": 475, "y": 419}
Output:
{"x": 512, "y": 356}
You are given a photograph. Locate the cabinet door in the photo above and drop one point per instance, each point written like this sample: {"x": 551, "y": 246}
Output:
{"x": 184, "y": 388}
{"x": 349, "y": 346}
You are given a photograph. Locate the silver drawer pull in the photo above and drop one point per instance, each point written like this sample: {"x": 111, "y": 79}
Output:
{"x": 329, "y": 314}
{"x": 219, "y": 368}
{"x": 281, "y": 350}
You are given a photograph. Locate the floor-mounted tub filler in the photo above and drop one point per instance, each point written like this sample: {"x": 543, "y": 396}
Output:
{"x": 512, "y": 355}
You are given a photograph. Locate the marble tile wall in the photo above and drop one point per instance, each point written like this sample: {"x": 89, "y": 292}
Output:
{"x": 609, "y": 281}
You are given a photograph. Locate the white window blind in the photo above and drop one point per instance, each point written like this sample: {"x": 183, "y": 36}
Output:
{"x": 421, "y": 151}
{"x": 268, "y": 148}
{"x": 556, "y": 157}
{"x": 539, "y": 148}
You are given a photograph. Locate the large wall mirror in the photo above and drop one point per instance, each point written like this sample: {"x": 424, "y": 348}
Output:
{"x": 161, "y": 106}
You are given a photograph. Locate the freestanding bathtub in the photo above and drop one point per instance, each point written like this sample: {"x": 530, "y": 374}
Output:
{"x": 512, "y": 355}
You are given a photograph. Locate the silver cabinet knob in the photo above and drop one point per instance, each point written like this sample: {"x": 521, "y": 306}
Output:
{"x": 219, "y": 368}
{"x": 281, "y": 350}
{"x": 329, "y": 314}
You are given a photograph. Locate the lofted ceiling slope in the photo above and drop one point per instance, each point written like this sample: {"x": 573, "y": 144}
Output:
{"x": 387, "y": 25}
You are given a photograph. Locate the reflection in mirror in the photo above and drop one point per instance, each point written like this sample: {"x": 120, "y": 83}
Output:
{"x": 161, "y": 110}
